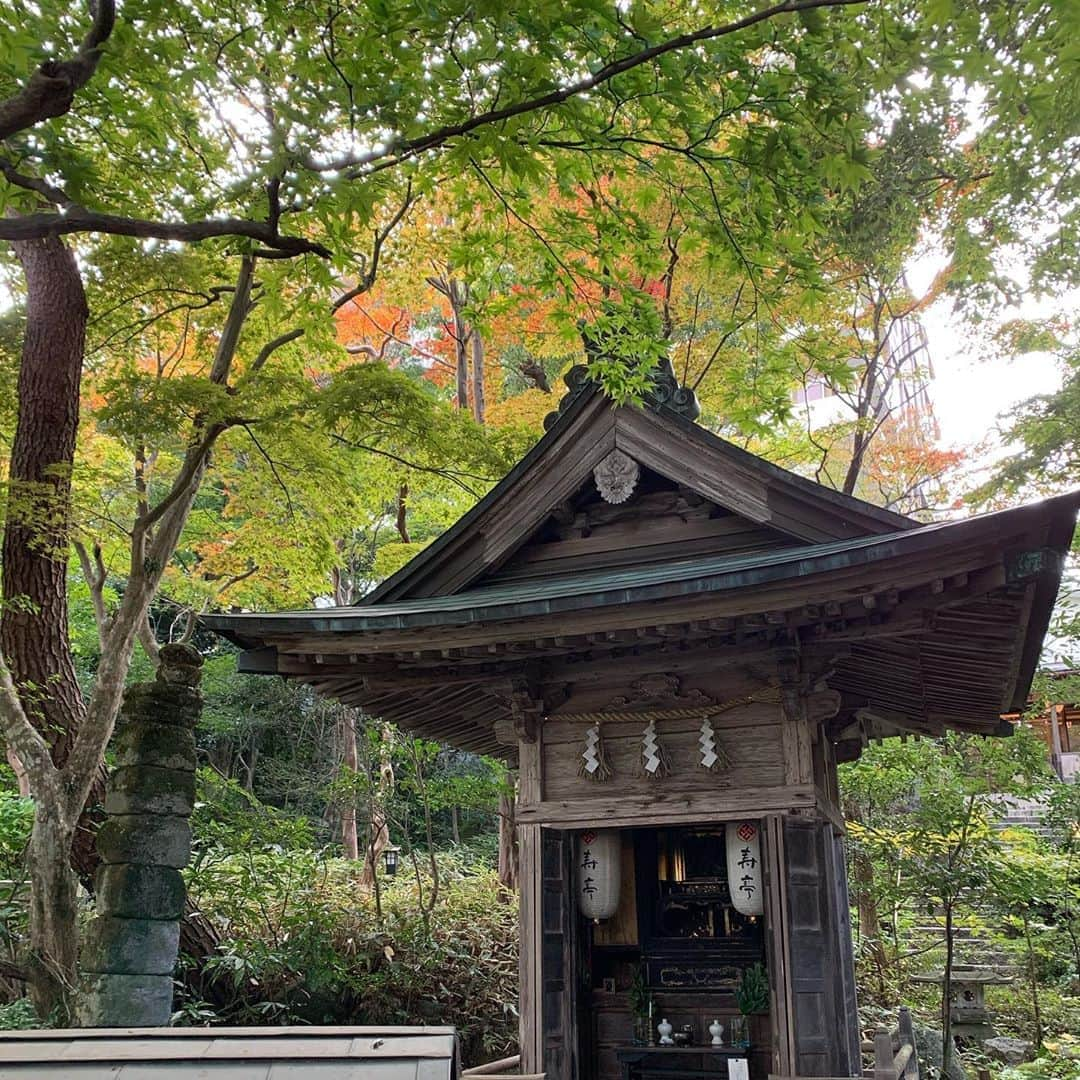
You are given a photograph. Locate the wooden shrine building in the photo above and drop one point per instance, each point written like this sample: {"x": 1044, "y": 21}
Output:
{"x": 676, "y": 642}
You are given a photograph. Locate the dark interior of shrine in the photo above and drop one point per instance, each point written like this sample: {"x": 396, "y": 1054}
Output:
{"x": 679, "y": 942}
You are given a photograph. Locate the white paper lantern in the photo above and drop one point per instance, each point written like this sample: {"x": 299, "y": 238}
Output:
{"x": 599, "y": 875}
{"x": 743, "y": 842}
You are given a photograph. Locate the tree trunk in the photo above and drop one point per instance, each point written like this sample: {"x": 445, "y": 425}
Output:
{"x": 948, "y": 1049}
{"x": 52, "y": 969}
{"x": 34, "y": 619}
{"x": 401, "y": 517}
{"x": 249, "y": 765}
{"x": 21, "y": 777}
{"x": 477, "y": 375}
{"x": 379, "y": 829}
{"x": 350, "y": 845}
{"x": 458, "y": 295}
{"x": 1033, "y": 981}
{"x": 869, "y": 922}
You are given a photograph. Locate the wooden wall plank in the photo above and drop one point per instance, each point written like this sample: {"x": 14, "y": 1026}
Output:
{"x": 530, "y": 770}
{"x": 662, "y": 807}
{"x": 749, "y": 736}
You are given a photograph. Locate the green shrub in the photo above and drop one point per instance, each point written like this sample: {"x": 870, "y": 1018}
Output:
{"x": 18, "y": 1015}
{"x": 304, "y": 942}
{"x": 16, "y": 820}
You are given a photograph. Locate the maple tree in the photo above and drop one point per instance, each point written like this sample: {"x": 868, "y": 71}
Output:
{"x": 291, "y": 140}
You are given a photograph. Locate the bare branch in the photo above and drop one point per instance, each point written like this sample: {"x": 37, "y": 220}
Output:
{"x": 273, "y": 345}
{"x": 455, "y": 476}
{"x": 21, "y": 735}
{"x": 381, "y": 236}
{"x": 78, "y": 219}
{"x": 49, "y": 192}
{"x": 148, "y": 640}
{"x": 94, "y": 574}
{"x": 239, "y": 310}
{"x": 273, "y": 467}
{"x": 51, "y": 89}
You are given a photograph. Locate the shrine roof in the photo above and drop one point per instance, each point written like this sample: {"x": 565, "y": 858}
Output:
{"x": 634, "y": 536}
{"x": 588, "y": 426}
{"x": 587, "y": 590}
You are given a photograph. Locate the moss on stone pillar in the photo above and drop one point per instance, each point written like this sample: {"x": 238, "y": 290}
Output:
{"x": 129, "y": 949}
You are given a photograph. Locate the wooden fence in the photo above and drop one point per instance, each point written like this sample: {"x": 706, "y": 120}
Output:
{"x": 903, "y": 1065}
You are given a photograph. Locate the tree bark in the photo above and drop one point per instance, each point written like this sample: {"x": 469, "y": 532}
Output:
{"x": 379, "y": 828}
{"x": 34, "y": 619}
{"x": 478, "y": 406}
{"x": 401, "y": 517}
{"x": 350, "y": 845}
{"x": 508, "y": 862}
{"x": 948, "y": 1050}
{"x": 458, "y": 296}
{"x": 22, "y": 778}
{"x": 52, "y": 966}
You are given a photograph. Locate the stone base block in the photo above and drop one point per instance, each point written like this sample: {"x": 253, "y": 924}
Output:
{"x": 147, "y": 839}
{"x": 139, "y": 892}
{"x": 125, "y": 1001}
{"x": 167, "y": 746}
{"x": 161, "y": 703}
{"x": 145, "y": 789}
{"x": 130, "y": 946}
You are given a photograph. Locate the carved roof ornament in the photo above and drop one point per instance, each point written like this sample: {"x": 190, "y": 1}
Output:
{"x": 616, "y": 477}
{"x": 666, "y": 391}
{"x": 661, "y": 687}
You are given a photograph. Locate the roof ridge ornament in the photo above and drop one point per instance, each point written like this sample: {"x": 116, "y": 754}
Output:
{"x": 666, "y": 393}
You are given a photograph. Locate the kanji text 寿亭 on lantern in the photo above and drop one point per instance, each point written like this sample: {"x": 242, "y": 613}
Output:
{"x": 598, "y": 873}
{"x": 743, "y": 842}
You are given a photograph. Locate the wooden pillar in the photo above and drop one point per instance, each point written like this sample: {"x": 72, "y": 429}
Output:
{"x": 559, "y": 968}
{"x": 530, "y": 912}
{"x": 820, "y": 961}
{"x": 1056, "y": 711}
{"x": 776, "y": 921}
{"x": 531, "y": 937}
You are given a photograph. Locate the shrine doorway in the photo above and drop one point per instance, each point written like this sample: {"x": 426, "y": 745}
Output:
{"x": 676, "y": 949}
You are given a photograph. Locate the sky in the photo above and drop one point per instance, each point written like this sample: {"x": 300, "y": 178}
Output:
{"x": 970, "y": 392}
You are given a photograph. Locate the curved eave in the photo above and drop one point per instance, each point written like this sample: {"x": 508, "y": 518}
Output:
{"x": 956, "y": 644}
{"x": 674, "y": 580}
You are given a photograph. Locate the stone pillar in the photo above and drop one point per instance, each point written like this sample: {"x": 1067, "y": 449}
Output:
{"x": 129, "y": 949}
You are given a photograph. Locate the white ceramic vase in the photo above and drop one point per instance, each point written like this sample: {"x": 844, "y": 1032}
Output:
{"x": 716, "y": 1030}
{"x": 664, "y": 1029}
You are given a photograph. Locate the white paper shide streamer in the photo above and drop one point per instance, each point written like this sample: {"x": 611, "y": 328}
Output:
{"x": 653, "y": 759}
{"x": 594, "y": 764}
{"x": 743, "y": 842}
{"x": 713, "y": 757}
{"x": 599, "y": 876}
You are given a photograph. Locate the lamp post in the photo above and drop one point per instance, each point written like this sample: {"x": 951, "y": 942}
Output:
{"x": 390, "y": 859}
